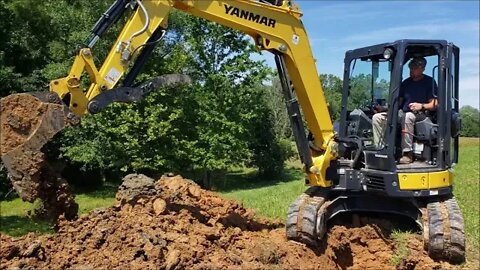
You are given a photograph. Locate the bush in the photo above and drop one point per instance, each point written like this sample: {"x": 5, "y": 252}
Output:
{"x": 470, "y": 122}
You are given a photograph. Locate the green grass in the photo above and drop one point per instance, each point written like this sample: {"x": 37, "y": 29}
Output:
{"x": 14, "y": 219}
{"x": 269, "y": 197}
{"x": 400, "y": 238}
{"x": 467, "y": 191}
{"x": 14, "y": 214}
{"x": 104, "y": 197}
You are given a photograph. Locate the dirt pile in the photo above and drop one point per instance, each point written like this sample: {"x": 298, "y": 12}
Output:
{"x": 173, "y": 224}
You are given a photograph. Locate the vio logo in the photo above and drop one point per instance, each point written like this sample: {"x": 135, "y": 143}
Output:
{"x": 247, "y": 15}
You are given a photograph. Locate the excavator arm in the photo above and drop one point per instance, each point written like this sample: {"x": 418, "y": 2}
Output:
{"x": 275, "y": 26}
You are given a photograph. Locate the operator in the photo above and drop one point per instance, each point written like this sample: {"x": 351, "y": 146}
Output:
{"x": 416, "y": 96}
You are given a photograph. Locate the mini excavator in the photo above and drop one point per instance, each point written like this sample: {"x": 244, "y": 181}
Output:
{"x": 346, "y": 171}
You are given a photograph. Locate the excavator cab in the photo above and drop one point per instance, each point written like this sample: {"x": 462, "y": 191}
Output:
{"x": 370, "y": 178}
{"x": 372, "y": 79}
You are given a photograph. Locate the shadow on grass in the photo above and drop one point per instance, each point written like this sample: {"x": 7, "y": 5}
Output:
{"x": 105, "y": 191}
{"x": 21, "y": 225}
{"x": 244, "y": 180}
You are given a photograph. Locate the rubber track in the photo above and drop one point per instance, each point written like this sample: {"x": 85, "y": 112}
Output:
{"x": 445, "y": 225}
{"x": 302, "y": 219}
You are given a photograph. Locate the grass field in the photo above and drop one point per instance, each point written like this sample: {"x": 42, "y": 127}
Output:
{"x": 467, "y": 191}
{"x": 14, "y": 214}
{"x": 271, "y": 197}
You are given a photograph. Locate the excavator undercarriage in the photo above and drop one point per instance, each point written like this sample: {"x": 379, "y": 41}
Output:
{"x": 440, "y": 221}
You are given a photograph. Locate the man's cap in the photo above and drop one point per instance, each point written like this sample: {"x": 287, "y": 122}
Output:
{"x": 417, "y": 62}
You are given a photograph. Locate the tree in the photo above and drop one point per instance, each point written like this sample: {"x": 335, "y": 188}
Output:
{"x": 470, "y": 122}
{"x": 203, "y": 128}
{"x": 332, "y": 87}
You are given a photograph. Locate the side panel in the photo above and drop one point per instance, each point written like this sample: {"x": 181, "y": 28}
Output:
{"x": 420, "y": 181}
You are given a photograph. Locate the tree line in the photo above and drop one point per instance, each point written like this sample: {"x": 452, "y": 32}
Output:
{"x": 228, "y": 117}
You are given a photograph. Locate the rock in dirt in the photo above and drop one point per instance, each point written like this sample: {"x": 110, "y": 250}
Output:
{"x": 159, "y": 206}
{"x": 181, "y": 226}
{"x": 135, "y": 186}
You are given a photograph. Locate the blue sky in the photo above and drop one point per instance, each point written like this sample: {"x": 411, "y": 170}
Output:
{"x": 337, "y": 26}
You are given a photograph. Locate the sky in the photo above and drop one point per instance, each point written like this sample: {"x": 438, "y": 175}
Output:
{"x": 334, "y": 27}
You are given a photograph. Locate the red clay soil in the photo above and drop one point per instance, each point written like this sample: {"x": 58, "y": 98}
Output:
{"x": 26, "y": 125}
{"x": 174, "y": 224}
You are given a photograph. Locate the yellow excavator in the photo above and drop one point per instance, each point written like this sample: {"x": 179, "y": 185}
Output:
{"x": 346, "y": 171}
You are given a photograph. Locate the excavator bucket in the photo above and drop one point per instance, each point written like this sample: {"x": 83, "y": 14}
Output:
{"x": 28, "y": 122}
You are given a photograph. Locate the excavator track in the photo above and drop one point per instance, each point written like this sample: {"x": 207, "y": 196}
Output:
{"x": 444, "y": 231}
{"x": 306, "y": 221}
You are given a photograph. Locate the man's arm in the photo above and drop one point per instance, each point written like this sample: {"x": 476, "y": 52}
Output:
{"x": 430, "y": 106}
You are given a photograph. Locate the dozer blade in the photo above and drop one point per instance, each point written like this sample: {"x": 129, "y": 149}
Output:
{"x": 28, "y": 122}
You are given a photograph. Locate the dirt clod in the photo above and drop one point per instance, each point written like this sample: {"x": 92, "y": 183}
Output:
{"x": 175, "y": 224}
{"x": 26, "y": 125}
{"x": 159, "y": 206}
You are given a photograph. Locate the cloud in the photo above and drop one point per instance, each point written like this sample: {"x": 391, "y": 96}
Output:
{"x": 423, "y": 30}
{"x": 469, "y": 61}
{"x": 361, "y": 11}
{"x": 469, "y": 91}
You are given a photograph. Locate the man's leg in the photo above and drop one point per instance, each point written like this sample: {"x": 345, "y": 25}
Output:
{"x": 407, "y": 137}
{"x": 379, "y": 121}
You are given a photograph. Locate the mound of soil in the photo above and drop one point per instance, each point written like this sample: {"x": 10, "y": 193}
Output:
{"x": 174, "y": 224}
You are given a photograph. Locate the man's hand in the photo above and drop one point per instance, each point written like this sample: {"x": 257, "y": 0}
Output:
{"x": 415, "y": 107}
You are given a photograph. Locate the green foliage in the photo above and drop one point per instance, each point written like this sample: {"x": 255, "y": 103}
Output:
{"x": 470, "y": 122}
{"x": 39, "y": 39}
{"x": 224, "y": 119}
{"x": 276, "y": 102}
{"x": 360, "y": 92}
{"x": 269, "y": 152}
{"x": 332, "y": 87}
